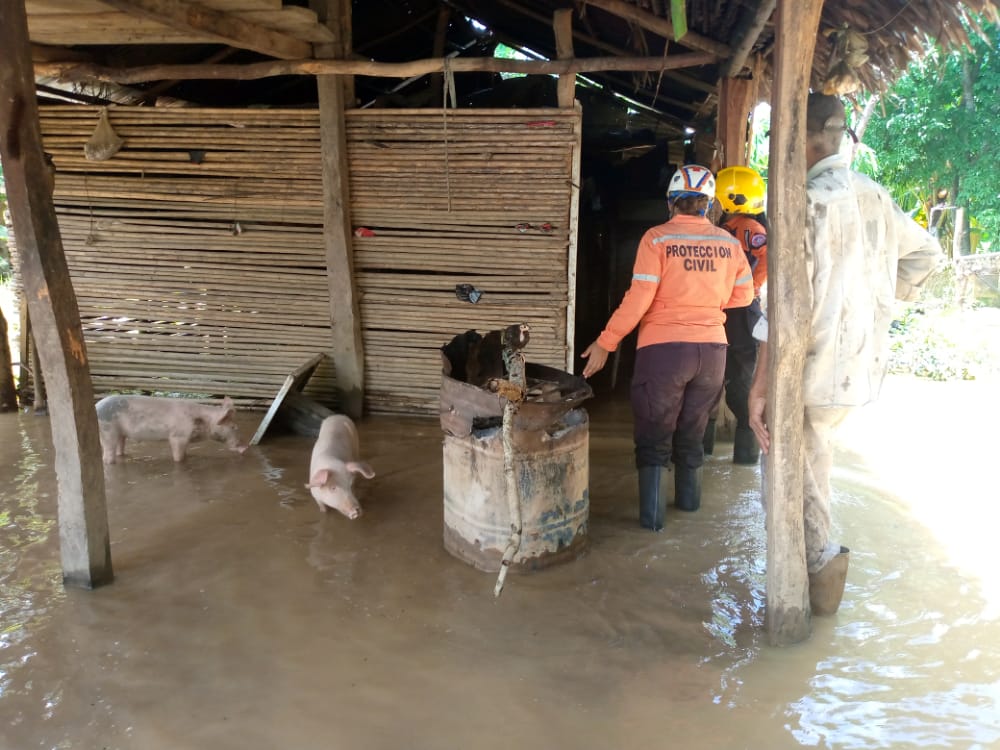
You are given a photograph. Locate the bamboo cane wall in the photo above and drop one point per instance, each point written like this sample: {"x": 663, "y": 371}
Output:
{"x": 196, "y": 251}
{"x": 197, "y": 254}
{"x": 443, "y": 194}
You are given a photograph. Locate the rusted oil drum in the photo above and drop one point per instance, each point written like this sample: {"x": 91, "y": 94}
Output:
{"x": 552, "y": 469}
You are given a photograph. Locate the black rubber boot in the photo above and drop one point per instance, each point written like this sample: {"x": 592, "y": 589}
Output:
{"x": 709, "y": 440}
{"x": 687, "y": 488}
{"x": 746, "y": 452}
{"x": 652, "y": 497}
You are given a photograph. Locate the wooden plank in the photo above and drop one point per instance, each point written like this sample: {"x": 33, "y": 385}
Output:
{"x": 789, "y": 311}
{"x": 226, "y": 28}
{"x": 82, "y": 507}
{"x": 295, "y": 381}
{"x": 41, "y": 7}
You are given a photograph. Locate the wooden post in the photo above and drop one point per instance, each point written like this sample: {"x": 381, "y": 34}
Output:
{"x": 55, "y": 316}
{"x": 562, "y": 24}
{"x": 8, "y": 393}
{"x": 348, "y": 349}
{"x": 737, "y": 96}
{"x": 574, "y": 239}
{"x": 789, "y": 312}
{"x": 39, "y": 401}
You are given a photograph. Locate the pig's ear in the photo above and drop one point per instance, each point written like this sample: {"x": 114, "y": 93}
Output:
{"x": 360, "y": 467}
{"x": 320, "y": 478}
{"x": 228, "y": 409}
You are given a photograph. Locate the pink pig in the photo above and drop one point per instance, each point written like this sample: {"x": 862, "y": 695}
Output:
{"x": 334, "y": 465}
{"x": 181, "y": 421}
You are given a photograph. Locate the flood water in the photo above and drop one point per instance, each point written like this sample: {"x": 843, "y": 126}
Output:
{"x": 242, "y": 617}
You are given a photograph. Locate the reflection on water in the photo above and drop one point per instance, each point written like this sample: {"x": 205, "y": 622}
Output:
{"x": 242, "y": 617}
{"x": 27, "y": 592}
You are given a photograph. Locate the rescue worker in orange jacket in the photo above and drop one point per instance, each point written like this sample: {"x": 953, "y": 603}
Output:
{"x": 742, "y": 195}
{"x": 686, "y": 272}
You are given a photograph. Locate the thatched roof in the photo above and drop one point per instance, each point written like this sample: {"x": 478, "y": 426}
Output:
{"x": 737, "y": 33}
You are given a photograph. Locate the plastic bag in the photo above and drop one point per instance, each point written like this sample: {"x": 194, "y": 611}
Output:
{"x": 104, "y": 143}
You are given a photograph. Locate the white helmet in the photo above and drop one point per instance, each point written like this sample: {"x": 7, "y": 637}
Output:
{"x": 692, "y": 180}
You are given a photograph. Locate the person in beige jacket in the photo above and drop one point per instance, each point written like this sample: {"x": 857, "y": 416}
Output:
{"x": 862, "y": 251}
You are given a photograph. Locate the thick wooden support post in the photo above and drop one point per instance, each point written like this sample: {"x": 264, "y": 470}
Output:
{"x": 562, "y": 24}
{"x": 55, "y": 317}
{"x": 789, "y": 313}
{"x": 348, "y": 351}
{"x": 737, "y": 96}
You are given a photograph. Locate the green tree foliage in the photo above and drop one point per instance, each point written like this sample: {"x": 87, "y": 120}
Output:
{"x": 929, "y": 135}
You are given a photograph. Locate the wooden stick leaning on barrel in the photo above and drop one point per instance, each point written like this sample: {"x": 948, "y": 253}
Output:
{"x": 513, "y": 390}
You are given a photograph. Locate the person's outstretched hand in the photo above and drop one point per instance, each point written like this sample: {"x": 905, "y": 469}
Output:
{"x": 757, "y": 405}
{"x": 596, "y": 357}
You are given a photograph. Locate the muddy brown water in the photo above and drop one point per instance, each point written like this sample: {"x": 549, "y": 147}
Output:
{"x": 242, "y": 617}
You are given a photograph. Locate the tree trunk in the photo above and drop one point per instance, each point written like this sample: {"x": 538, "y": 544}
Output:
{"x": 8, "y": 393}
{"x": 963, "y": 246}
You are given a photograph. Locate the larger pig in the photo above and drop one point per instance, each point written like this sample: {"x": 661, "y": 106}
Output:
{"x": 178, "y": 420}
{"x": 334, "y": 466}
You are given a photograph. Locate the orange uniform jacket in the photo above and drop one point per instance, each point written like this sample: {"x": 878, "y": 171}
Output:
{"x": 686, "y": 272}
{"x": 753, "y": 238}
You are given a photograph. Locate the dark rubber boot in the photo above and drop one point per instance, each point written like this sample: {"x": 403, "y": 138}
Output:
{"x": 746, "y": 452}
{"x": 687, "y": 488}
{"x": 709, "y": 440}
{"x": 652, "y": 497}
{"x": 826, "y": 586}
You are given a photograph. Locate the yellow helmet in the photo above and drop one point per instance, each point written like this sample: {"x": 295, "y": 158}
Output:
{"x": 740, "y": 190}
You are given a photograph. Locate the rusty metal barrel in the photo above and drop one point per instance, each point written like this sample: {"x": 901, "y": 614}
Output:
{"x": 551, "y": 465}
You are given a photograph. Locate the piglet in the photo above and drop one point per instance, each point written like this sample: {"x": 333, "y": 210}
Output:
{"x": 334, "y": 465}
{"x": 178, "y": 420}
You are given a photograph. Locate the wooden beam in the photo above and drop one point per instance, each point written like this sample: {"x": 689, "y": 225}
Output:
{"x": 749, "y": 33}
{"x": 562, "y": 25}
{"x": 254, "y": 71}
{"x": 790, "y": 316}
{"x": 345, "y": 314}
{"x": 226, "y": 28}
{"x": 661, "y": 26}
{"x": 686, "y": 80}
{"x": 55, "y": 318}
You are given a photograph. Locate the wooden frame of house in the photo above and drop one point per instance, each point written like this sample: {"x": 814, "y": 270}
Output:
{"x": 371, "y": 212}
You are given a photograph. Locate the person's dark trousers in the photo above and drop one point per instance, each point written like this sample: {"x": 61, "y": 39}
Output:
{"x": 741, "y": 357}
{"x": 674, "y": 388}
